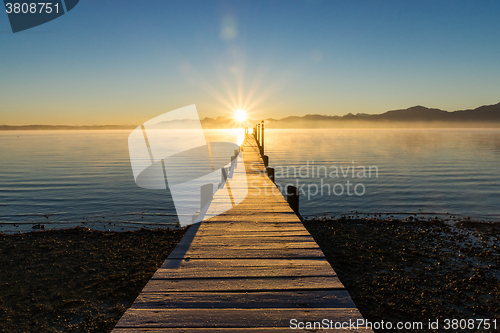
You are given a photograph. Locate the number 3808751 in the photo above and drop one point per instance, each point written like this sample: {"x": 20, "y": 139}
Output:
{"x": 32, "y": 8}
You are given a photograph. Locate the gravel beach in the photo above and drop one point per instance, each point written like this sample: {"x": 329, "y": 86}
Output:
{"x": 415, "y": 271}
{"x": 76, "y": 280}
{"x": 79, "y": 280}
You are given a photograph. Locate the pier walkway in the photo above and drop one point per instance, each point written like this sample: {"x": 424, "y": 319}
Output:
{"x": 254, "y": 268}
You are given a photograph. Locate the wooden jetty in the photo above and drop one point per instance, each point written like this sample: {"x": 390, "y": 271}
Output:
{"x": 254, "y": 268}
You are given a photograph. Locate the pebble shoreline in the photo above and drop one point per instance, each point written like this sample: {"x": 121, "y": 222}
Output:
{"x": 415, "y": 271}
{"x": 82, "y": 280}
{"x": 76, "y": 280}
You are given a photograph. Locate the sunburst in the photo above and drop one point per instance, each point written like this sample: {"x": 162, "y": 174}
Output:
{"x": 240, "y": 115}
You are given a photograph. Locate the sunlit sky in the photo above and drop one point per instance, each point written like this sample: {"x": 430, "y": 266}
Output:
{"x": 124, "y": 62}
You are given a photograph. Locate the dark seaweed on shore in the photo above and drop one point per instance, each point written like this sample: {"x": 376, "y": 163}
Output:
{"x": 76, "y": 280}
{"x": 415, "y": 271}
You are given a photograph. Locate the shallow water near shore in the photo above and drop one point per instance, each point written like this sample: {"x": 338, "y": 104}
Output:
{"x": 83, "y": 178}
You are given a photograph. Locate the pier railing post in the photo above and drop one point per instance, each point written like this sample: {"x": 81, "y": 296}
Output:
{"x": 292, "y": 197}
{"x": 270, "y": 173}
{"x": 223, "y": 176}
{"x": 207, "y": 193}
{"x": 262, "y": 138}
{"x": 258, "y": 135}
{"x": 265, "y": 158}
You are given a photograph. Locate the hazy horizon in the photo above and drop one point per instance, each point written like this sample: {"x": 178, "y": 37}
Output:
{"x": 333, "y": 121}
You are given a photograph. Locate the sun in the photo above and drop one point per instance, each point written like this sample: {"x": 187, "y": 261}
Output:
{"x": 240, "y": 115}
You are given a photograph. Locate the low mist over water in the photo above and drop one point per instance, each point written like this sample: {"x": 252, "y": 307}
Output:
{"x": 436, "y": 171}
{"x": 84, "y": 177}
{"x": 71, "y": 178}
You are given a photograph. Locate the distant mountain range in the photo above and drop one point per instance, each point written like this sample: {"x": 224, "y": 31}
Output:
{"x": 486, "y": 116}
{"x": 416, "y": 116}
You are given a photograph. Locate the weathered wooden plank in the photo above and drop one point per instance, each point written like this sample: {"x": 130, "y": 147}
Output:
{"x": 177, "y": 269}
{"x": 252, "y": 198}
{"x": 284, "y": 221}
{"x": 201, "y": 246}
{"x": 248, "y": 206}
{"x": 245, "y": 230}
{"x": 251, "y": 225}
{"x": 251, "y": 228}
{"x": 235, "y": 246}
{"x": 234, "y": 264}
{"x": 257, "y": 300}
{"x": 259, "y": 218}
{"x": 242, "y": 272}
{"x": 265, "y": 203}
{"x": 232, "y": 318}
{"x": 245, "y": 263}
{"x": 244, "y": 284}
{"x": 234, "y": 253}
{"x": 251, "y": 240}
{"x": 254, "y": 233}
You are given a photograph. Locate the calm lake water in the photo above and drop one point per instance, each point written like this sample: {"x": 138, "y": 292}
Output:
{"x": 439, "y": 172}
{"x": 68, "y": 178}
{"x": 75, "y": 178}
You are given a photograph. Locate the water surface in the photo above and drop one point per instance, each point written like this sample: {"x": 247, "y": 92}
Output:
{"x": 435, "y": 171}
{"x": 71, "y": 178}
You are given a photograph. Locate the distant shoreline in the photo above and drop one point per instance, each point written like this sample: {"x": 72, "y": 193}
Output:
{"x": 297, "y": 125}
{"x": 486, "y": 116}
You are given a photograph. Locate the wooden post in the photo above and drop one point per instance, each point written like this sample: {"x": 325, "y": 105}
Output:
{"x": 262, "y": 138}
{"x": 258, "y": 135}
{"x": 223, "y": 176}
{"x": 292, "y": 196}
{"x": 270, "y": 173}
{"x": 234, "y": 163}
{"x": 234, "y": 160}
{"x": 207, "y": 192}
{"x": 224, "y": 173}
{"x": 265, "y": 158}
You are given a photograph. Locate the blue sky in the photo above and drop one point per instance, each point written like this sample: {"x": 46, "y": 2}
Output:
{"x": 124, "y": 62}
